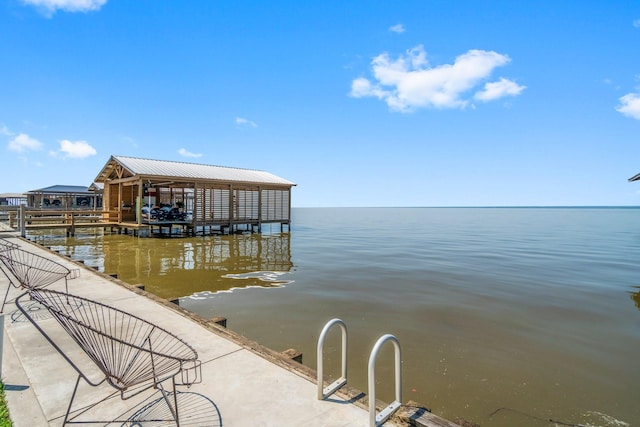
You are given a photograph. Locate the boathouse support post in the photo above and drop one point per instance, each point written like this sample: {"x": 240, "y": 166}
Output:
{"x": 139, "y": 203}
{"x": 23, "y": 221}
{"x": 194, "y": 208}
{"x": 232, "y": 207}
{"x": 288, "y": 216}
{"x": 119, "y": 202}
{"x": 259, "y": 209}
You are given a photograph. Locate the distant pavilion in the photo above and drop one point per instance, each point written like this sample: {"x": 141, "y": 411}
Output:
{"x": 13, "y": 199}
{"x": 64, "y": 197}
{"x": 214, "y": 196}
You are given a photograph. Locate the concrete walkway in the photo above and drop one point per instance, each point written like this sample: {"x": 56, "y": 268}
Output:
{"x": 242, "y": 384}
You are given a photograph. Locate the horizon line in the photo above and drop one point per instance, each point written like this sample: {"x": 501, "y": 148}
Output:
{"x": 475, "y": 207}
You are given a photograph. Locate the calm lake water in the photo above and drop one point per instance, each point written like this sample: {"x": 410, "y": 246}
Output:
{"x": 530, "y": 312}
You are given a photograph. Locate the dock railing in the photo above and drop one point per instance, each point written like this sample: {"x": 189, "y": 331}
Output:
{"x": 57, "y": 218}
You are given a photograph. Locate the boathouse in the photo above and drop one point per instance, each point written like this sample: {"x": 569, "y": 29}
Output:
{"x": 210, "y": 197}
{"x": 64, "y": 197}
{"x": 12, "y": 199}
{"x": 635, "y": 178}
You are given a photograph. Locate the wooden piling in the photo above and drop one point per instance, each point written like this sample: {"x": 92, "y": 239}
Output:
{"x": 293, "y": 354}
{"x": 219, "y": 320}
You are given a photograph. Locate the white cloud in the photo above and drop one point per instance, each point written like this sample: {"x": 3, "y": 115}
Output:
{"x": 245, "y": 122}
{"x": 77, "y": 149}
{"x": 24, "y": 142}
{"x": 361, "y": 87}
{"x": 5, "y": 131}
{"x": 495, "y": 90}
{"x": 630, "y": 105}
{"x": 186, "y": 153}
{"x": 49, "y": 7}
{"x": 398, "y": 28}
{"x": 408, "y": 82}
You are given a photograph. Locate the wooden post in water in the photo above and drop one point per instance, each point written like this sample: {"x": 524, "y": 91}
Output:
{"x": 293, "y": 354}
{"x": 139, "y": 200}
{"x": 23, "y": 227}
{"x": 219, "y": 320}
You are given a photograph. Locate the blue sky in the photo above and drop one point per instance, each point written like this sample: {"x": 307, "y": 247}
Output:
{"x": 408, "y": 103}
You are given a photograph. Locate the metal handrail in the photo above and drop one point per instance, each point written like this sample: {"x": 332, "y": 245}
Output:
{"x": 378, "y": 419}
{"x": 333, "y": 387}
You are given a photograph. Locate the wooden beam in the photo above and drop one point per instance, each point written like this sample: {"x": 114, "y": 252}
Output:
{"x": 131, "y": 179}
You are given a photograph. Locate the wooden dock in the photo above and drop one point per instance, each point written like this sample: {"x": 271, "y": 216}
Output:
{"x": 71, "y": 220}
{"x": 119, "y": 228}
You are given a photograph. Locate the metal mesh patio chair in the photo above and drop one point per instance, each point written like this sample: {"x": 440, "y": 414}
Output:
{"x": 6, "y": 245}
{"x": 30, "y": 271}
{"x": 133, "y": 354}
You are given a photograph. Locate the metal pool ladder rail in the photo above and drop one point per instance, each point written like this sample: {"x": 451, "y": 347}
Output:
{"x": 323, "y": 393}
{"x": 333, "y": 387}
{"x": 376, "y": 420}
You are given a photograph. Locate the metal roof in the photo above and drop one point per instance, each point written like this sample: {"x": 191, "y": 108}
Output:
{"x": 635, "y": 178}
{"x": 63, "y": 189}
{"x": 96, "y": 186}
{"x": 182, "y": 170}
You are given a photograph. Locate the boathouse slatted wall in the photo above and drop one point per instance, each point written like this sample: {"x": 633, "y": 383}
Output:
{"x": 275, "y": 204}
{"x": 216, "y": 205}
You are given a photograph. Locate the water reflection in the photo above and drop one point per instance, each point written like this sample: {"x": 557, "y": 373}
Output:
{"x": 271, "y": 279}
{"x": 173, "y": 268}
{"x": 635, "y": 296}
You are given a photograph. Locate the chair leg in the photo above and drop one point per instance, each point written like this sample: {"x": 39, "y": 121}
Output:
{"x": 6, "y": 295}
{"x": 173, "y": 406}
{"x": 73, "y": 396}
{"x": 175, "y": 401}
{"x": 66, "y": 286}
{"x": 9, "y": 285}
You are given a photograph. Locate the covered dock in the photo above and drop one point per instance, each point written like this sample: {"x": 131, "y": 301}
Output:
{"x": 65, "y": 197}
{"x": 12, "y": 199}
{"x": 197, "y": 198}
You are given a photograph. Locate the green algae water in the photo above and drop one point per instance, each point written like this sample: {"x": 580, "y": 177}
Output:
{"x": 506, "y": 316}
